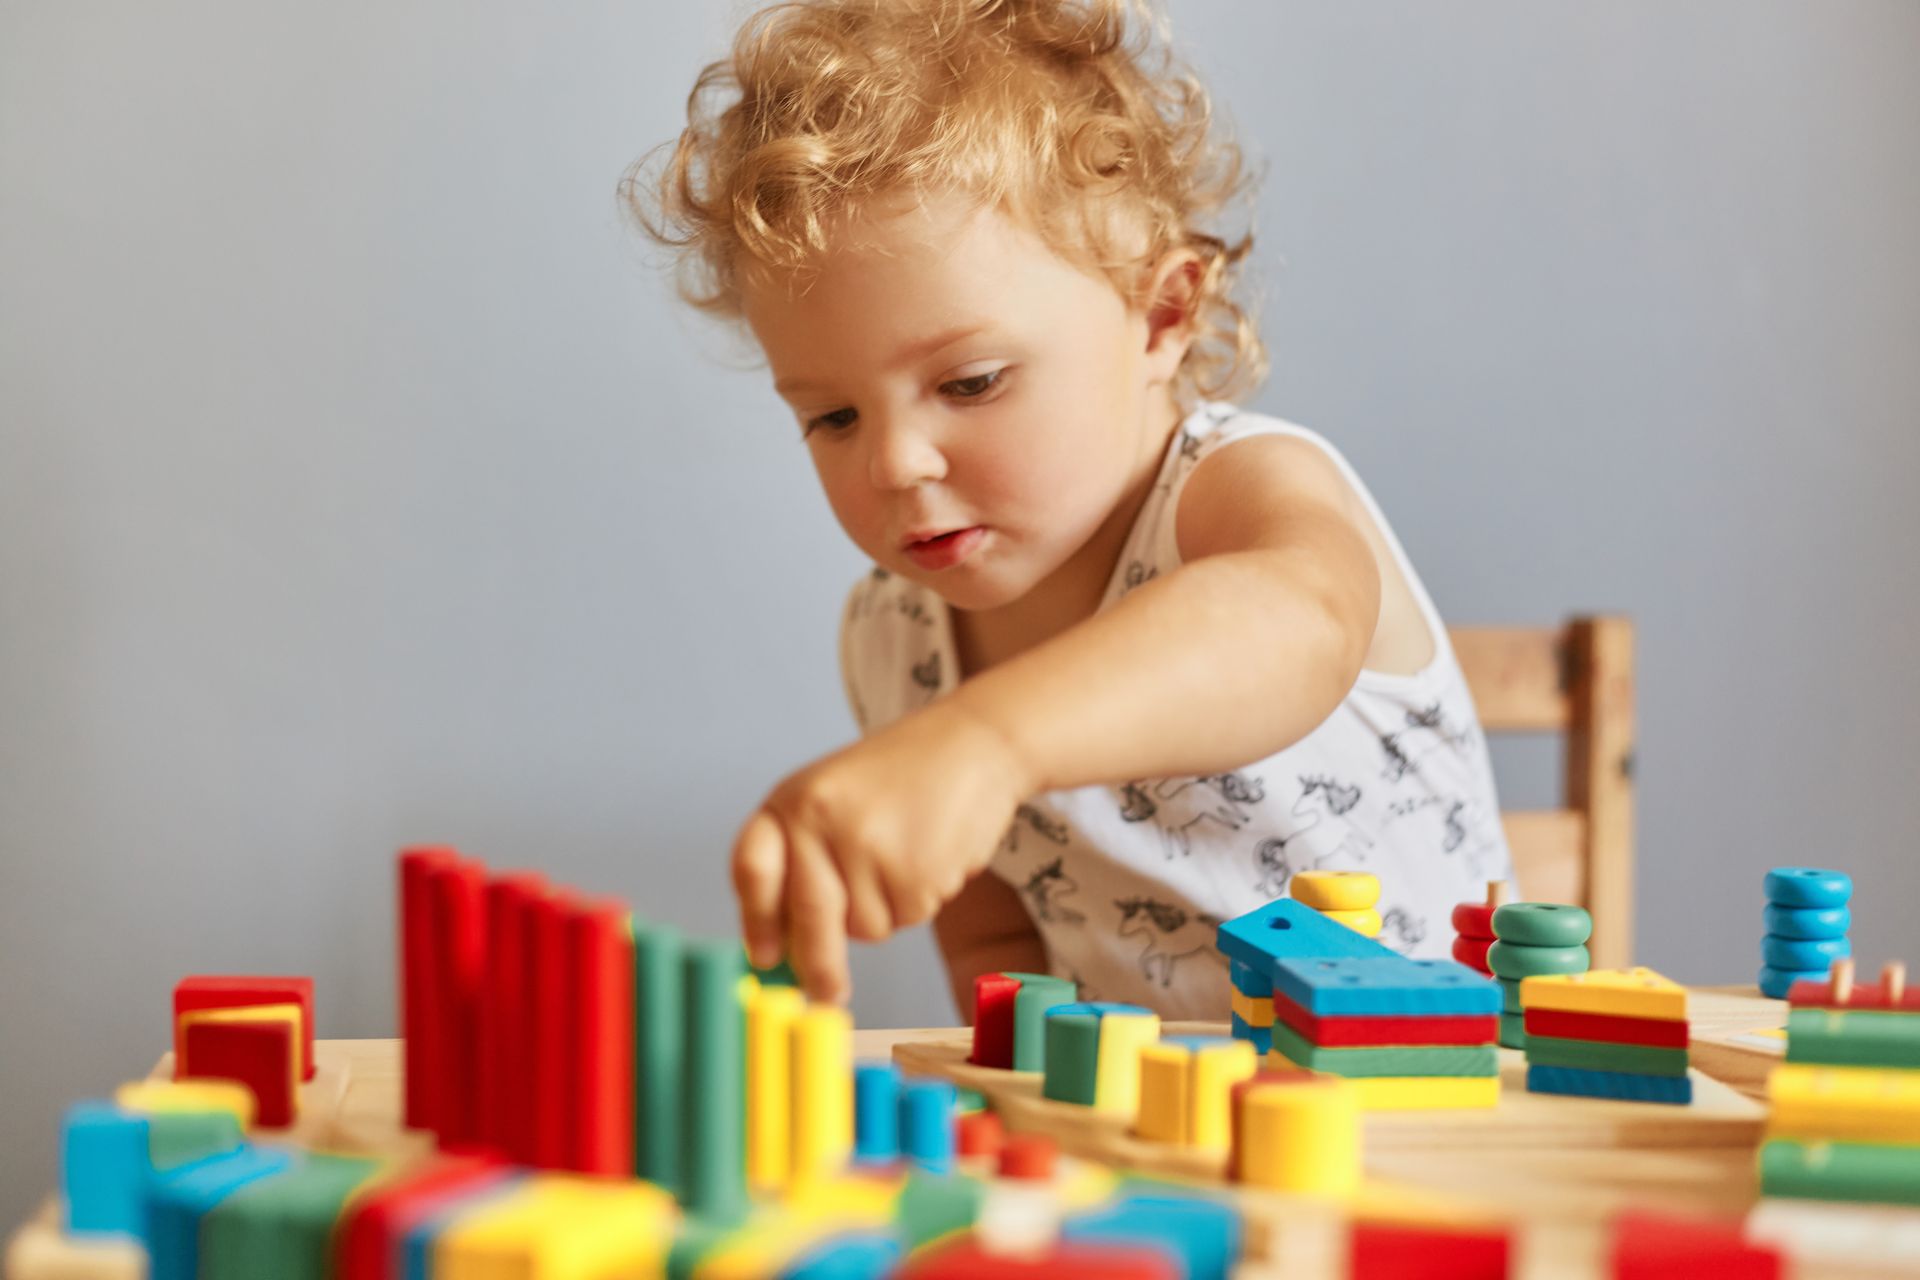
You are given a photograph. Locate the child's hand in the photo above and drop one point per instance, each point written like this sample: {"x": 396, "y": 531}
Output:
{"x": 873, "y": 838}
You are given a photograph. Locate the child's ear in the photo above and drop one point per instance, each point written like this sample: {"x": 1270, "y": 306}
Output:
{"x": 1170, "y": 312}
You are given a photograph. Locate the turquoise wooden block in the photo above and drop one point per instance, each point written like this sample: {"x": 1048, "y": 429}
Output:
{"x": 1803, "y": 953}
{"x": 1283, "y": 929}
{"x": 1201, "y": 1233}
{"x": 104, "y": 1169}
{"x": 1807, "y": 887}
{"x": 1806, "y": 922}
{"x": 181, "y": 1198}
{"x": 1390, "y": 984}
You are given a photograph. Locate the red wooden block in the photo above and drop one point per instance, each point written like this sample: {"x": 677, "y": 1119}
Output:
{"x": 1664, "y": 1033}
{"x": 1393, "y": 1250}
{"x": 506, "y": 1016}
{"x": 1028, "y": 1156}
{"x": 263, "y": 1056}
{"x": 966, "y": 1260}
{"x": 1811, "y": 994}
{"x": 457, "y": 899}
{"x": 602, "y": 960}
{"x": 554, "y": 1070}
{"x": 1347, "y": 1032}
{"x": 1651, "y": 1246}
{"x": 1472, "y": 952}
{"x": 423, "y": 1021}
{"x": 373, "y": 1224}
{"x": 1474, "y": 919}
{"x": 210, "y": 991}
{"x": 993, "y": 997}
{"x": 980, "y": 1133}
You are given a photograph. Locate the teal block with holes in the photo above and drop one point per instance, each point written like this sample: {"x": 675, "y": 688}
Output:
{"x": 1389, "y": 985}
{"x": 1284, "y": 929}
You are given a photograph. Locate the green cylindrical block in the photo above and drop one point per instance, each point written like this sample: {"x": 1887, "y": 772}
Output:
{"x": 1854, "y": 1038}
{"x": 659, "y": 997}
{"x": 713, "y": 1181}
{"x": 1512, "y": 960}
{"x": 1852, "y": 1171}
{"x": 1073, "y": 1056}
{"x": 1038, "y": 993}
{"x": 1542, "y": 924}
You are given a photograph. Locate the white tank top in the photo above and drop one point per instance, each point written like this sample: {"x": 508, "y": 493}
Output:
{"x": 1126, "y": 883}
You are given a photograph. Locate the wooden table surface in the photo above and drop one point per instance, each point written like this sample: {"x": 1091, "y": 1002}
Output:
{"x": 1563, "y": 1195}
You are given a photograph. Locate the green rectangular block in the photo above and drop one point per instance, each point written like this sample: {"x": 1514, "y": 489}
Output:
{"x": 713, "y": 1149}
{"x": 1599, "y": 1055}
{"x": 1852, "y": 1171}
{"x": 1073, "y": 1057}
{"x": 659, "y": 997}
{"x": 281, "y": 1226}
{"x": 1038, "y": 993}
{"x": 175, "y": 1138}
{"x": 1394, "y": 1060}
{"x": 1854, "y": 1038}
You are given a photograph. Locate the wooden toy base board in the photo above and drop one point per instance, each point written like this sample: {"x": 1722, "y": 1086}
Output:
{"x": 1718, "y": 1118}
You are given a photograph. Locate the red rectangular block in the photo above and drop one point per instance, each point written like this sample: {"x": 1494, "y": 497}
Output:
{"x": 457, "y": 898}
{"x": 1663, "y": 1033}
{"x": 1651, "y": 1246}
{"x": 554, "y": 1068}
{"x": 263, "y": 1056}
{"x": 1355, "y": 1031}
{"x": 373, "y": 1225}
{"x": 423, "y": 1021}
{"x": 506, "y": 1016}
{"x": 602, "y": 961}
{"x": 211, "y": 991}
{"x": 1809, "y": 994}
{"x": 993, "y": 1000}
{"x": 1395, "y": 1250}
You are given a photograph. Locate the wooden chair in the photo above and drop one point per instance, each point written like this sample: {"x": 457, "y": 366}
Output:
{"x": 1577, "y": 680}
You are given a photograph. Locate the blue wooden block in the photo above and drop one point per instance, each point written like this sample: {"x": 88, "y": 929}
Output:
{"x": 1261, "y": 1038}
{"x": 1249, "y": 981}
{"x": 1775, "y": 983}
{"x": 926, "y": 1123}
{"x": 851, "y": 1257}
{"x": 435, "y": 1213}
{"x": 1622, "y": 1086}
{"x": 1807, "y": 887}
{"x": 1803, "y": 953}
{"x": 1097, "y": 1008}
{"x": 876, "y": 1111}
{"x": 1202, "y": 1235}
{"x": 181, "y": 1197}
{"x": 1285, "y": 929}
{"x": 1385, "y": 985}
{"x": 1806, "y": 922}
{"x": 104, "y": 1168}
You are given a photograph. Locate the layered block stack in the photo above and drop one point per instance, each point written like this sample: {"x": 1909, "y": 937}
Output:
{"x": 1010, "y": 1018}
{"x": 1351, "y": 898}
{"x": 1609, "y": 1033}
{"x": 1473, "y": 928}
{"x": 1806, "y": 920}
{"x": 1093, "y": 1055}
{"x": 1534, "y": 939}
{"x": 254, "y": 1031}
{"x": 1845, "y": 1121}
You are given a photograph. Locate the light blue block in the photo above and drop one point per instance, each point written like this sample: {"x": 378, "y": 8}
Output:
{"x": 1622, "y": 1086}
{"x": 1286, "y": 929}
{"x": 1806, "y": 922}
{"x": 876, "y": 1111}
{"x": 1249, "y": 981}
{"x": 1202, "y": 1235}
{"x": 1775, "y": 983}
{"x": 852, "y": 1257}
{"x": 1803, "y": 953}
{"x": 926, "y": 1124}
{"x": 105, "y": 1167}
{"x": 1390, "y": 985}
{"x": 1807, "y": 887}
{"x": 181, "y": 1197}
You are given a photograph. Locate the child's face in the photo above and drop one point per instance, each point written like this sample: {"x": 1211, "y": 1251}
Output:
{"x": 1028, "y": 435}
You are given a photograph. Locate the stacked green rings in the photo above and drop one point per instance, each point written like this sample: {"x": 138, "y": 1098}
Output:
{"x": 1534, "y": 939}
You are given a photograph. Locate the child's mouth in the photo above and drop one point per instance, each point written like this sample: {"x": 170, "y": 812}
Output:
{"x": 948, "y": 549}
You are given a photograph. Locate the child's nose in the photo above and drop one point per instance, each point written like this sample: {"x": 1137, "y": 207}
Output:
{"x": 906, "y": 453}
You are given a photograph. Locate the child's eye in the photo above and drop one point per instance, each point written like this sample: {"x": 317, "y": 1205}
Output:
{"x": 961, "y": 389}
{"x": 837, "y": 419}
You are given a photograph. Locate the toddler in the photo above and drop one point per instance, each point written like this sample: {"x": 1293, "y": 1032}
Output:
{"x": 1130, "y": 656}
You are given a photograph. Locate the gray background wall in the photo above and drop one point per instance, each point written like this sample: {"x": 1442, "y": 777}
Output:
{"x": 360, "y": 484}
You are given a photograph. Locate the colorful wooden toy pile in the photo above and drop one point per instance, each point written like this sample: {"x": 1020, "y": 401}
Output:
{"x": 1409, "y": 1034}
{"x": 1845, "y": 1123}
{"x": 1351, "y": 898}
{"x": 1609, "y": 1033}
{"x": 1473, "y": 931}
{"x": 1534, "y": 939}
{"x": 1806, "y": 920}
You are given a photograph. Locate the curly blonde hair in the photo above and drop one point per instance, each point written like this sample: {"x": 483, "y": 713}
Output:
{"x": 1058, "y": 111}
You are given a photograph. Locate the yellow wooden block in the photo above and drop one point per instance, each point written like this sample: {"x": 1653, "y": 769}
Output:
{"x": 189, "y": 1095}
{"x": 1116, "y": 1075}
{"x": 822, "y": 1092}
{"x": 1302, "y": 1138}
{"x": 1166, "y": 1079}
{"x": 1622, "y": 993}
{"x": 1426, "y": 1093}
{"x": 557, "y": 1227}
{"x": 1365, "y": 922}
{"x": 1216, "y": 1069}
{"x": 771, "y": 1012}
{"x": 1255, "y": 1011}
{"x": 1331, "y": 891}
{"x": 1844, "y": 1104}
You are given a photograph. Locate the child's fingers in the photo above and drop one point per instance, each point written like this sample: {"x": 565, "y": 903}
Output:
{"x": 869, "y": 918}
{"x": 817, "y": 920}
{"x": 759, "y": 880}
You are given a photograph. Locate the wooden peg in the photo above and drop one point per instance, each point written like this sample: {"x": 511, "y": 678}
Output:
{"x": 1842, "y": 982}
{"x": 1893, "y": 982}
{"x": 1498, "y": 893}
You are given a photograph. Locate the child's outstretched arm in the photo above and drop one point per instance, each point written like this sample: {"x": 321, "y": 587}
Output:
{"x": 1242, "y": 651}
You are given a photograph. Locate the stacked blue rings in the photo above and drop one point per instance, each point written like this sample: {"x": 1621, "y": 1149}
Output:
{"x": 1806, "y": 921}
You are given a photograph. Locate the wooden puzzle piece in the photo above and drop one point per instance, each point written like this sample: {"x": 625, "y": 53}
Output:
{"x": 282, "y": 1226}
{"x": 211, "y": 991}
{"x": 1622, "y": 1085}
{"x": 1628, "y": 993}
{"x": 1864, "y": 1172}
{"x": 1666, "y": 1033}
{"x": 1846, "y": 1104}
{"x": 258, "y": 1048}
{"x": 1394, "y": 1060}
{"x": 1426, "y": 1093}
{"x": 1386, "y": 1029}
{"x": 1601, "y": 1055}
{"x": 1384, "y": 985}
{"x": 1286, "y": 929}
{"x": 1855, "y": 1037}
{"x": 178, "y": 1201}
